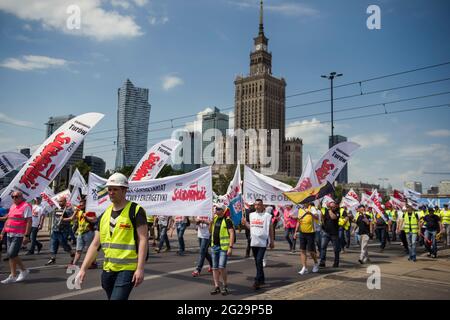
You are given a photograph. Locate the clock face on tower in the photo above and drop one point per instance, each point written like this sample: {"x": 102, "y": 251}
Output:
{"x": 258, "y": 47}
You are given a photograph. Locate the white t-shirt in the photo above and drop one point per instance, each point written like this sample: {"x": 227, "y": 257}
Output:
{"x": 26, "y": 214}
{"x": 259, "y": 228}
{"x": 163, "y": 221}
{"x": 203, "y": 229}
{"x": 37, "y": 212}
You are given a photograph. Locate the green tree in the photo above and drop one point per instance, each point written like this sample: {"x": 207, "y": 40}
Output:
{"x": 338, "y": 193}
{"x": 127, "y": 170}
{"x": 168, "y": 171}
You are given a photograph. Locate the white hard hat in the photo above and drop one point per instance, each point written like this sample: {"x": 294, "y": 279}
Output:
{"x": 117, "y": 180}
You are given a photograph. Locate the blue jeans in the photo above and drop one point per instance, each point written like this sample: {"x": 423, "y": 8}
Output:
{"x": 181, "y": 227}
{"x": 34, "y": 241}
{"x": 289, "y": 235}
{"x": 381, "y": 236}
{"x": 58, "y": 237}
{"x": 347, "y": 237}
{"x": 219, "y": 258}
{"x": 318, "y": 238}
{"x": 117, "y": 285}
{"x": 412, "y": 239}
{"x": 342, "y": 242}
{"x": 163, "y": 238}
{"x": 258, "y": 254}
{"x": 204, "y": 254}
{"x": 326, "y": 238}
{"x": 431, "y": 235}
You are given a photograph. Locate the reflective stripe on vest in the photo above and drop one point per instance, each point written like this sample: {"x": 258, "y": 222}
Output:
{"x": 410, "y": 225}
{"x": 16, "y": 222}
{"x": 224, "y": 236}
{"x": 120, "y": 247}
{"x": 446, "y": 216}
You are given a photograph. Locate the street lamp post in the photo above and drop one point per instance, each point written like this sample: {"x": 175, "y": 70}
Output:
{"x": 331, "y": 77}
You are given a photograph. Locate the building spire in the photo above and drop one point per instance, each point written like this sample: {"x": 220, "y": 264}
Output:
{"x": 261, "y": 24}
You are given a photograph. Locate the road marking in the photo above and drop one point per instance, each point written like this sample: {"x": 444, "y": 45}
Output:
{"x": 99, "y": 288}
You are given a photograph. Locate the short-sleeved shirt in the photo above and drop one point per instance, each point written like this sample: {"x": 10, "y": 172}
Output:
{"x": 163, "y": 221}
{"x": 203, "y": 228}
{"x": 331, "y": 226}
{"x": 289, "y": 222}
{"x": 58, "y": 225}
{"x": 37, "y": 212}
{"x": 259, "y": 228}
{"x": 306, "y": 222}
{"x": 432, "y": 222}
{"x": 216, "y": 235}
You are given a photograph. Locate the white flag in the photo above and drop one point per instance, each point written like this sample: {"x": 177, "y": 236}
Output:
{"x": 331, "y": 164}
{"x": 50, "y": 157}
{"x": 259, "y": 186}
{"x": 375, "y": 202}
{"x": 154, "y": 160}
{"x": 308, "y": 178}
{"x": 188, "y": 194}
{"x": 78, "y": 181}
{"x": 326, "y": 200}
{"x": 75, "y": 197}
{"x": 10, "y": 161}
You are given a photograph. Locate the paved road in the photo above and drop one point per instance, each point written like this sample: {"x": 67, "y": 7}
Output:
{"x": 168, "y": 276}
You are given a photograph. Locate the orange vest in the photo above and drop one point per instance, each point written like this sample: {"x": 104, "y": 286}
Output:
{"x": 16, "y": 222}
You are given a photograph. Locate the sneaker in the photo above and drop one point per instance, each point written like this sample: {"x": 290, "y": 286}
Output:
{"x": 256, "y": 286}
{"x": 225, "y": 291}
{"x": 39, "y": 248}
{"x": 264, "y": 263}
{"x": 10, "y": 279}
{"x": 157, "y": 250}
{"x": 22, "y": 275}
{"x": 360, "y": 261}
{"x": 195, "y": 273}
{"x": 322, "y": 264}
{"x": 215, "y": 291}
{"x": 315, "y": 268}
{"x": 210, "y": 270}
{"x": 51, "y": 261}
{"x": 303, "y": 271}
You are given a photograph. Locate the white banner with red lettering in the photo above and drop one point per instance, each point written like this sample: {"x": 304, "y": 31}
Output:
{"x": 50, "y": 157}
{"x": 331, "y": 164}
{"x": 154, "y": 160}
{"x": 9, "y": 161}
{"x": 308, "y": 178}
{"x": 376, "y": 202}
{"x": 259, "y": 186}
{"x": 188, "y": 194}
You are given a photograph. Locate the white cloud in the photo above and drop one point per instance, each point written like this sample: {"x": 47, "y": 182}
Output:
{"x": 30, "y": 63}
{"x": 120, "y": 3}
{"x": 5, "y": 118}
{"x": 371, "y": 140}
{"x": 441, "y": 133}
{"x": 422, "y": 150}
{"x": 157, "y": 20}
{"x": 27, "y": 27}
{"x": 312, "y": 132}
{"x": 140, "y": 3}
{"x": 96, "y": 22}
{"x": 293, "y": 9}
{"x": 171, "y": 81}
{"x": 196, "y": 125}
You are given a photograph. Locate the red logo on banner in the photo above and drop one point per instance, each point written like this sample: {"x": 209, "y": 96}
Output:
{"x": 324, "y": 170}
{"x": 146, "y": 166}
{"x": 305, "y": 185}
{"x": 43, "y": 162}
{"x": 191, "y": 194}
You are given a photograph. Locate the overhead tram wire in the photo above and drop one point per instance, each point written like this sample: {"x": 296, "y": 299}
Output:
{"x": 304, "y": 93}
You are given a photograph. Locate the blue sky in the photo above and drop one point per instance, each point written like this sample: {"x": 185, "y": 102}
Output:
{"x": 188, "y": 54}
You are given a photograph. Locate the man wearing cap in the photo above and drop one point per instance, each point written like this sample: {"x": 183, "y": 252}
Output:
{"x": 222, "y": 240}
{"x": 365, "y": 227}
{"x": 432, "y": 224}
{"x": 123, "y": 234}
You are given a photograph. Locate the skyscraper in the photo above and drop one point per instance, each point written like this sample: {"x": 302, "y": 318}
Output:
{"x": 343, "y": 176}
{"x": 133, "y": 114}
{"x": 53, "y": 124}
{"x": 293, "y": 154}
{"x": 212, "y": 120}
{"x": 260, "y": 97}
{"x": 97, "y": 165}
